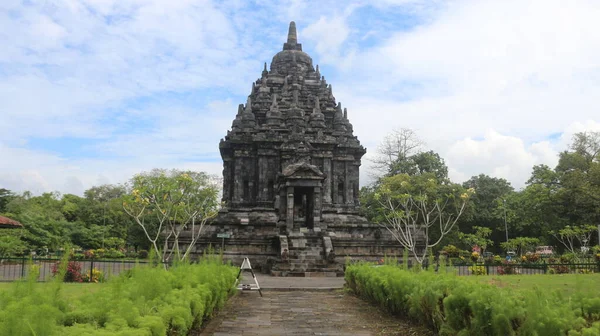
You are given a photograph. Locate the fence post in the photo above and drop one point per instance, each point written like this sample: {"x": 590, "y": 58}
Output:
{"x": 91, "y": 269}
{"x": 545, "y": 267}
{"x": 23, "y": 267}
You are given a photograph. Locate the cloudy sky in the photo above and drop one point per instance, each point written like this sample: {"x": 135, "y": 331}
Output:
{"x": 94, "y": 91}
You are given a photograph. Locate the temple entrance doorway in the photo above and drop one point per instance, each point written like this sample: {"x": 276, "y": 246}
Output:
{"x": 304, "y": 207}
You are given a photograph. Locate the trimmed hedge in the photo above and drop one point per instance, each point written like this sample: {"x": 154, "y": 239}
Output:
{"x": 145, "y": 301}
{"x": 452, "y": 305}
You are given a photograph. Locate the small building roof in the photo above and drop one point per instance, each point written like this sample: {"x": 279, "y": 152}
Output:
{"x": 7, "y": 223}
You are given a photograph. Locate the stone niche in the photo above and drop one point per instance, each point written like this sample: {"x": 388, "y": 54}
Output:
{"x": 291, "y": 177}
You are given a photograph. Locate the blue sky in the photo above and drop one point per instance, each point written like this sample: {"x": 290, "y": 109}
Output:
{"x": 94, "y": 91}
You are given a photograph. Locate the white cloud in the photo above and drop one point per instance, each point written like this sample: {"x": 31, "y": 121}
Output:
{"x": 483, "y": 82}
{"x": 499, "y": 156}
{"x": 521, "y": 70}
{"x": 41, "y": 172}
{"x": 329, "y": 34}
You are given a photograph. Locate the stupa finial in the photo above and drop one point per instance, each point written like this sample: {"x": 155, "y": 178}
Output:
{"x": 292, "y": 35}
{"x": 292, "y": 39}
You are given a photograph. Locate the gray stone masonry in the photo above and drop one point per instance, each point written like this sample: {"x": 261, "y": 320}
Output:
{"x": 291, "y": 176}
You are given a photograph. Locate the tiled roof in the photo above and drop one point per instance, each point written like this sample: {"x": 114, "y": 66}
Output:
{"x": 6, "y": 222}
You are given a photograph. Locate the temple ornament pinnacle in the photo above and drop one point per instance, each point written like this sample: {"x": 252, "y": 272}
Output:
{"x": 292, "y": 39}
{"x": 292, "y": 35}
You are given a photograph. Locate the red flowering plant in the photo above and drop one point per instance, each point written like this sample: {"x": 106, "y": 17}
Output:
{"x": 89, "y": 254}
{"x": 507, "y": 267}
{"x": 532, "y": 257}
{"x": 71, "y": 274}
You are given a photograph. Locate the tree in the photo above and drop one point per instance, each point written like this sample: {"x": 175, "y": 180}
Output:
{"x": 396, "y": 147}
{"x": 575, "y": 236}
{"x": 419, "y": 211}
{"x": 42, "y": 219}
{"x": 166, "y": 203}
{"x": 11, "y": 243}
{"x": 421, "y": 163}
{"x": 5, "y": 197}
{"x": 520, "y": 244}
{"x": 479, "y": 238}
{"x": 578, "y": 171}
{"x": 103, "y": 208}
{"x": 587, "y": 144}
{"x": 486, "y": 208}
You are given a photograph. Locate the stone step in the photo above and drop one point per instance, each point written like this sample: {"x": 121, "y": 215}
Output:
{"x": 302, "y": 249}
{"x": 306, "y": 253}
{"x": 304, "y": 265}
{"x": 305, "y": 274}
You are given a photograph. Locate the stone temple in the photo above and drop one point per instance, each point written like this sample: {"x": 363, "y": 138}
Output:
{"x": 291, "y": 177}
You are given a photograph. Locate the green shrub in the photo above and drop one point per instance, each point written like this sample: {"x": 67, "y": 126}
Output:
{"x": 478, "y": 270}
{"x": 453, "y": 305}
{"x": 451, "y": 251}
{"x": 148, "y": 301}
{"x": 142, "y": 254}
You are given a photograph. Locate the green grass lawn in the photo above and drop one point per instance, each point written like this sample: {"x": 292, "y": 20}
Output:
{"x": 568, "y": 284}
{"x": 70, "y": 290}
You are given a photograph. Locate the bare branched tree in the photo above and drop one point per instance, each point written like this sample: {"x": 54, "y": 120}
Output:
{"x": 573, "y": 236}
{"x": 166, "y": 204}
{"x": 417, "y": 212}
{"x": 587, "y": 144}
{"x": 397, "y": 145}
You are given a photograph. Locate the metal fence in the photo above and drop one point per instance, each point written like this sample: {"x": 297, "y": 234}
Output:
{"x": 12, "y": 269}
{"x": 524, "y": 268}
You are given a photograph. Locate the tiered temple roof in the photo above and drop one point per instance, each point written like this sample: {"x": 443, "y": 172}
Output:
{"x": 291, "y": 110}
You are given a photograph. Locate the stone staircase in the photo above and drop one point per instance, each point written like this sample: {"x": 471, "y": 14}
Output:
{"x": 307, "y": 255}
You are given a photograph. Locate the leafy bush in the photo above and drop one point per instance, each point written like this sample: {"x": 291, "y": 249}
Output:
{"x": 478, "y": 270}
{"x": 72, "y": 272}
{"x": 567, "y": 258}
{"x": 113, "y": 254}
{"x": 143, "y": 254}
{"x": 451, "y": 251}
{"x": 506, "y": 267}
{"x": 497, "y": 260}
{"x": 532, "y": 257}
{"x": 453, "y": 305}
{"x": 97, "y": 276}
{"x": 149, "y": 301}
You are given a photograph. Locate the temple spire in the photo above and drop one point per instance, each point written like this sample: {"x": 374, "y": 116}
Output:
{"x": 292, "y": 39}
{"x": 292, "y": 36}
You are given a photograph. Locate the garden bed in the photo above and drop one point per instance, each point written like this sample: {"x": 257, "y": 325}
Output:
{"x": 454, "y": 305}
{"x": 143, "y": 301}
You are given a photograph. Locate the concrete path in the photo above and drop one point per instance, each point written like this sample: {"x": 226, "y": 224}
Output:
{"x": 288, "y": 309}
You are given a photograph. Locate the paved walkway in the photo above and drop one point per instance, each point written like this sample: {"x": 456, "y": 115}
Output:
{"x": 295, "y": 283}
{"x": 304, "y": 309}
